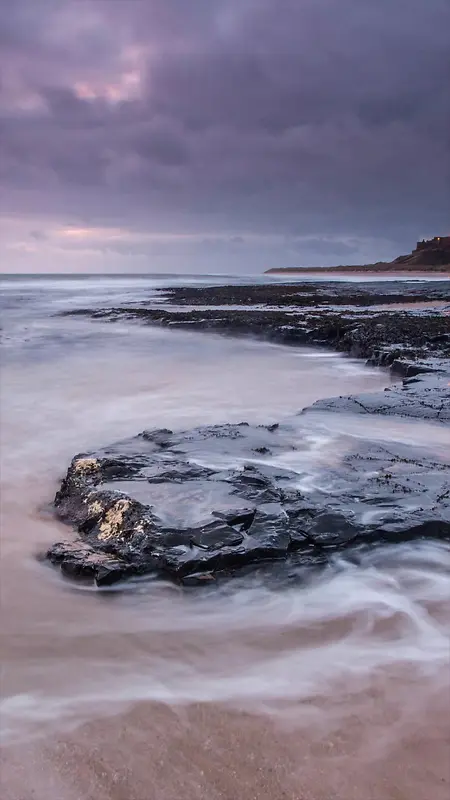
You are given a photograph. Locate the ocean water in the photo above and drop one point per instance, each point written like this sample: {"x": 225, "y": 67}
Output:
{"x": 105, "y": 694}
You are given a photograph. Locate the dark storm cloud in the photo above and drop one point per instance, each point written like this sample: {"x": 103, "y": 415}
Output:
{"x": 314, "y": 119}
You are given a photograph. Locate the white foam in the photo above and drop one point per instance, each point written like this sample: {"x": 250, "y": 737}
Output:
{"x": 257, "y": 648}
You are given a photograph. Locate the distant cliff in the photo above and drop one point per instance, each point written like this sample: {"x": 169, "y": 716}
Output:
{"x": 429, "y": 255}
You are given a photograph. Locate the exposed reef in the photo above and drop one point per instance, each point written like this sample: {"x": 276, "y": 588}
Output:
{"x": 135, "y": 505}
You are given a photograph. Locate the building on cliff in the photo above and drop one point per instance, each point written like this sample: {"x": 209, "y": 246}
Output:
{"x": 428, "y": 252}
{"x": 437, "y": 243}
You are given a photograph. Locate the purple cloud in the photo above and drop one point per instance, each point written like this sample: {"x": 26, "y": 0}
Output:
{"x": 274, "y": 121}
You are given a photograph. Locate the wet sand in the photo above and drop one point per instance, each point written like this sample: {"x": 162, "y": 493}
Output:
{"x": 364, "y": 732}
{"x": 207, "y": 753}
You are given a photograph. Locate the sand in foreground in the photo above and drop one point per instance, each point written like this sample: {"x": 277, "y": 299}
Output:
{"x": 204, "y": 752}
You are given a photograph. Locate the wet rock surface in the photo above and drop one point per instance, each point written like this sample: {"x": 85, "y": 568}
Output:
{"x": 425, "y": 396}
{"x": 216, "y": 500}
{"x": 256, "y": 514}
{"x": 412, "y": 342}
{"x": 312, "y": 294}
{"x": 350, "y": 318}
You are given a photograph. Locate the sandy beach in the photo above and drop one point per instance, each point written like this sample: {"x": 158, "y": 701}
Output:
{"x": 379, "y": 275}
{"x": 382, "y": 749}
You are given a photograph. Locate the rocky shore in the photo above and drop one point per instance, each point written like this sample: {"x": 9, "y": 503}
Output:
{"x": 120, "y": 499}
{"x": 357, "y": 320}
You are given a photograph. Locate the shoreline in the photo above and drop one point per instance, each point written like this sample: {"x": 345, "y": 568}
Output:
{"x": 330, "y": 687}
{"x": 341, "y": 317}
{"x": 274, "y": 521}
{"x": 438, "y": 272}
{"x": 224, "y": 751}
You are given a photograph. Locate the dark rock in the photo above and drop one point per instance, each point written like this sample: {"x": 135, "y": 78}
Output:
{"x": 330, "y": 529}
{"x": 418, "y": 526}
{"x": 268, "y": 535}
{"x": 79, "y": 561}
{"x": 178, "y": 473}
{"x": 425, "y": 397}
{"x": 161, "y": 437}
{"x": 250, "y": 476}
{"x": 198, "y": 579}
{"x": 335, "y": 315}
{"x": 215, "y": 536}
{"x": 242, "y": 517}
{"x": 376, "y": 495}
{"x": 134, "y": 503}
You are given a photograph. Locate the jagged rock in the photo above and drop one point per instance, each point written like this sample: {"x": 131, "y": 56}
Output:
{"x": 331, "y": 529}
{"x": 78, "y": 560}
{"x": 242, "y": 517}
{"x": 134, "y": 504}
{"x": 157, "y": 502}
{"x": 425, "y": 397}
{"x": 343, "y": 316}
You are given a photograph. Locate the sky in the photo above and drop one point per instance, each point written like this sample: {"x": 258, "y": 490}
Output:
{"x": 221, "y": 135}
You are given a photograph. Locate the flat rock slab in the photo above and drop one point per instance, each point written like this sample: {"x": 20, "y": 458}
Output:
{"x": 207, "y": 502}
{"x": 424, "y": 396}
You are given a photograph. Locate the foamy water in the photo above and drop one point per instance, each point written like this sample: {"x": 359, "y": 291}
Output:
{"x": 309, "y": 656}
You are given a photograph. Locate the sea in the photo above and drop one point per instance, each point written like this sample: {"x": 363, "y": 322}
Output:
{"x": 335, "y": 689}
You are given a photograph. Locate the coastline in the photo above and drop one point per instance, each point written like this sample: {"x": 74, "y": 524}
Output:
{"x": 280, "y": 683}
{"x": 364, "y": 272}
{"x": 276, "y": 521}
{"x": 348, "y": 318}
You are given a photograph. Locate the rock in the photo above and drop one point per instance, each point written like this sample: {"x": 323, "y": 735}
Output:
{"x": 241, "y": 517}
{"x": 198, "y": 579}
{"x": 79, "y": 561}
{"x": 425, "y": 396}
{"x": 257, "y": 515}
{"x": 331, "y": 529}
{"x": 157, "y": 502}
{"x": 216, "y": 536}
{"x": 346, "y": 317}
{"x": 161, "y": 437}
{"x": 268, "y": 536}
{"x": 177, "y": 473}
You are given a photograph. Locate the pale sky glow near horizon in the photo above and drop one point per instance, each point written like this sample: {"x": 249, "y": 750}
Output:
{"x": 221, "y": 135}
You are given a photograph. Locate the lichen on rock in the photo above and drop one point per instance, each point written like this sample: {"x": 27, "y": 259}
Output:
{"x": 86, "y": 466}
{"x": 112, "y": 522}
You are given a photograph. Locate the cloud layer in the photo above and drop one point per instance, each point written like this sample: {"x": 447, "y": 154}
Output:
{"x": 221, "y": 136}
